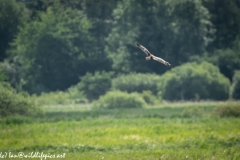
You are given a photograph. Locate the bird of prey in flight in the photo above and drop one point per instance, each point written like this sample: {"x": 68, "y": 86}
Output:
{"x": 151, "y": 56}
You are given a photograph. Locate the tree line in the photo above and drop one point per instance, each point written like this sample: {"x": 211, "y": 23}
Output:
{"x": 49, "y": 45}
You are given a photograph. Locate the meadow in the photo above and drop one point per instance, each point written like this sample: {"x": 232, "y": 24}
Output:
{"x": 167, "y": 131}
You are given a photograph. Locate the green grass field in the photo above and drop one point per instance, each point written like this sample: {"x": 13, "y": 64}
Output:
{"x": 170, "y": 131}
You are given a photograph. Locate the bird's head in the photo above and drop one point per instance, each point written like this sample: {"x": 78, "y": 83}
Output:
{"x": 138, "y": 44}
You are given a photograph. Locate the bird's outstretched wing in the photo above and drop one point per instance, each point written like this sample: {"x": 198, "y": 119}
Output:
{"x": 160, "y": 60}
{"x": 151, "y": 56}
{"x": 144, "y": 49}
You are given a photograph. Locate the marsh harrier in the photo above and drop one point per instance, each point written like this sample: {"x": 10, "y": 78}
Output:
{"x": 151, "y": 56}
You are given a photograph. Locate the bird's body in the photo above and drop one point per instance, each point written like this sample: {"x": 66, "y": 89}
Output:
{"x": 151, "y": 56}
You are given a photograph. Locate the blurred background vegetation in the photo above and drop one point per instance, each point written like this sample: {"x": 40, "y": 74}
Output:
{"x": 80, "y": 51}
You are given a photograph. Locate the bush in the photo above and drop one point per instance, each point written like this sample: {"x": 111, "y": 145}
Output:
{"x": 58, "y": 97}
{"x": 17, "y": 120}
{"x": 94, "y": 85}
{"x": 149, "y": 98}
{"x": 12, "y": 103}
{"x": 3, "y": 76}
{"x": 118, "y": 99}
{"x": 194, "y": 81}
{"x": 192, "y": 112}
{"x": 76, "y": 95}
{"x": 228, "y": 59}
{"x": 71, "y": 96}
{"x": 136, "y": 82}
{"x": 235, "y": 87}
{"x": 231, "y": 109}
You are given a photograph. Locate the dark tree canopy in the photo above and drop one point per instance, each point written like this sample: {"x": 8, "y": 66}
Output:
{"x": 174, "y": 30}
{"x": 12, "y": 15}
{"x": 54, "y": 49}
{"x": 48, "y": 45}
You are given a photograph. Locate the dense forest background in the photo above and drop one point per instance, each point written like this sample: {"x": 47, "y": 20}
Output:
{"x": 52, "y": 45}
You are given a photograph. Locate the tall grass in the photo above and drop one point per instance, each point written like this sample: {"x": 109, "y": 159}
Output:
{"x": 231, "y": 109}
{"x": 166, "y": 131}
{"x": 128, "y": 138}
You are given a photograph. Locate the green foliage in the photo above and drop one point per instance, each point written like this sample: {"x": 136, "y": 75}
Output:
{"x": 165, "y": 110}
{"x": 17, "y": 120}
{"x": 94, "y": 85}
{"x": 235, "y": 87}
{"x": 63, "y": 40}
{"x": 118, "y": 99}
{"x": 12, "y": 103}
{"x": 228, "y": 60}
{"x": 51, "y": 98}
{"x": 123, "y": 138}
{"x": 13, "y": 69}
{"x": 231, "y": 109}
{"x": 3, "y": 76}
{"x": 53, "y": 49}
{"x": 225, "y": 15}
{"x": 76, "y": 95}
{"x": 100, "y": 14}
{"x": 71, "y": 96}
{"x": 173, "y": 30}
{"x": 192, "y": 112}
{"x": 12, "y": 15}
{"x": 136, "y": 82}
{"x": 194, "y": 81}
{"x": 149, "y": 98}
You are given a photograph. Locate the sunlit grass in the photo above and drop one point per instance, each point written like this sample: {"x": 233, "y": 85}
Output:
{"x": 67, "y": 108}
{"x": 148, "y": 133}
{"x": 123, "y": 137}
{"x": 193, "y": 104}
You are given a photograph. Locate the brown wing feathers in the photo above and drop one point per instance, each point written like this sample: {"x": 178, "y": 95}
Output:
{"x": 152, "y": 56}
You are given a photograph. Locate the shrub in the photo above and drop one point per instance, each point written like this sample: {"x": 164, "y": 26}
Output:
{"x": 119, "y": 99}
{"x": 231, "y": 109}
{"x": 94, "y": 85}
{"x": 192, "y": 112}
{"x": 76, "y": 95}
{"x": 228, "y": 59}
{"x": 149, "y": 98}
{"x": 17, "y": 120}
{"x": 194, "y": 81}
{"x": 71, "y": 96}
{"x": 235, "y": 87}
{"x": 136, "y": 82}
{"x": 3, "y": 76}
{"x": 58, "y": 97}
{"x": 12, "y": 103}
